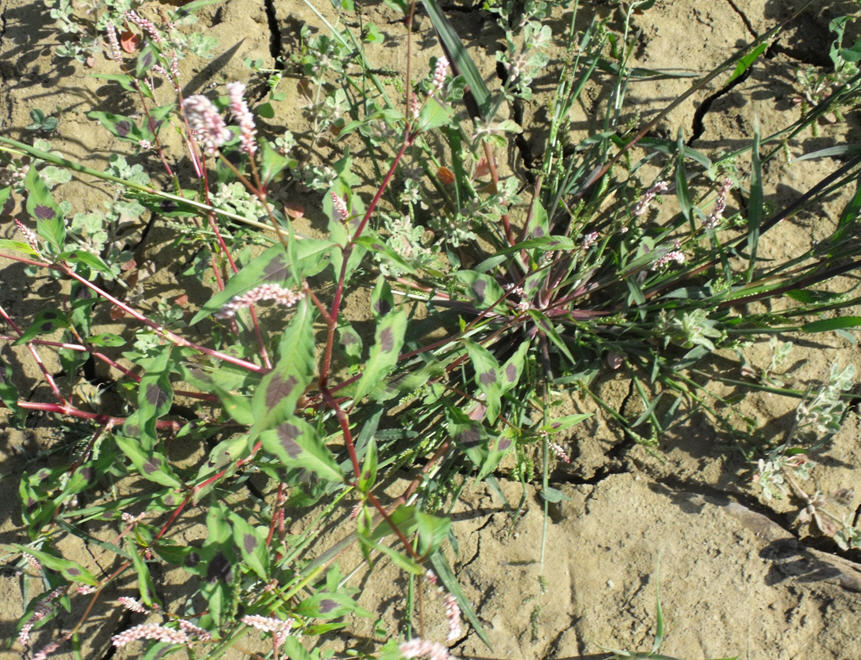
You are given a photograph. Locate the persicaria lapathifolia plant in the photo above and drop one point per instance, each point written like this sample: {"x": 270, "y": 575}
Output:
{"x": 224, "y": 439}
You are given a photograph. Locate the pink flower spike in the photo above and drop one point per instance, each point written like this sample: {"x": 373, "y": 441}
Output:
{"x": 243, "y": 116}
{"x": 207, "y": 126}
{"x": 116, "y": 54}
{"x": 132, "y": 604}
{"x": 145, "y": 25}
{"x": 643, "y": 205}
{"x": 150, "y": 631}
{"x": 340, "y": 207}
{"x": 439, "y": 73}
{"x": 422, "y": 648}
{"x": 281, "y": 295}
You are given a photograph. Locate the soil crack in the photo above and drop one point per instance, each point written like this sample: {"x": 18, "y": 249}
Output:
{"x": 743, "y": 17}
{"x": 275, "y": 44}
{"x": 680, "y": 486}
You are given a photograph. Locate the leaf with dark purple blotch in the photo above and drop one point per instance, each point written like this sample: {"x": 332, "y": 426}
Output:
{"x": 151, "y": 464}
{"x": 488, "y": 377}
{"x": 219, "y": 568}
{"x": 251, "y": 542}
{"x": 279, "y": 391}
{"x": 297, "y": 444}
{"x": 482, "y": 289}
{"x": 46, "y": 321}
{"x": 384, "y": 353}
{"x": 310, "y": 256}
{"x": 40, "y": 206}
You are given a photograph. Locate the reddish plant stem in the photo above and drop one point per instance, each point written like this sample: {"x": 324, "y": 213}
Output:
{"x": 494, "y": 176}
{"x": 38, "y": 359}
{"x": 164, "y": 332}
{"x": 101, "y": 418}
{"x": 345, "y": 257}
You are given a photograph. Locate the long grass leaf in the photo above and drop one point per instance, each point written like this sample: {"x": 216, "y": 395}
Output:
{"x": 754, "y": 211}
{"x": 459, "y": 58}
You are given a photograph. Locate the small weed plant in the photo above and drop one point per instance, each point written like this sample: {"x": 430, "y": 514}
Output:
{"x": 218, "y": 439}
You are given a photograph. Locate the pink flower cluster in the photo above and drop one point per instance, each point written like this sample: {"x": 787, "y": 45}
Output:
{"x": 239, "y": 108}
{"x": 150, "y": 631}
{"x": 42, "y": 609}
{"x": 452, "y": 609}
{"x": 589, "y": 239}
{"x": 145, "y": 25}
{"x": 422, "y": 648}
{"x": 559, "y": 451}
{"x": 282, "y": 296}
{"x": 279, "y": 628}
{"x": 643, "y": 205}
{"x": 339, "y": 206}
{"x": 116, "y": 53}
{"x": 714, "y": 218}
{"x": 673, "y": 255}
{"x": 207, "y": 126}
{"x": 439, "y": 73}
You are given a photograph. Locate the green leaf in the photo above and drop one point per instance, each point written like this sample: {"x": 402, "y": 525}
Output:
{"x": 18, "y": 246}
{"x": 513, "y": 368}
{"x": 251, "y": 542}
{"x": 488, "y": 377}
{"x": 459, "y": 58}
{"x": 832, "y": 324}
{"x": 120, "y": 126}
{"x": 106, "y": 339}
{"x": 42, "y": 208}
{"x": 383, "y": 357}
{"x": 550, "y": 494}
{"x": 151, "y": 465}
{"x": 275, "y": 398}
{"x": 382, "y": 301}
{"x": 155, "y": 393}
{"x": 484, "y": 291}
{"x": 8, "y": 393}
{"x": 271, "y": 267}
{"x": 145, "y": 60}
{"x": 46, "y": 321}
{"x": 146, "y": 587}
{"x": 747, "y": 60}
{"x": 682, "y": 192}
{"x": 350, "y": 341}
{"x": 272, "y": 163}
{"x": 369, "y": 469}
{"x": 71, "y": 570}
{"x": 432, "y": 531}
{"x": 125, "y": 81}
{"x": 297, "y": 444}
{"x": 433, "y": 115}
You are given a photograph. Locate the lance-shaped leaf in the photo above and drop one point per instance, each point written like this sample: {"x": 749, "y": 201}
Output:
{"x": 8, "y": 392}
{"x": 513, "y": 368}
{"x": 152, "y": 465}
{"x": 155, "y": 393}
{"x": 272, "y": 267}
{"x": 251, "y": 542}
{"x": 482, "y": 289}
{"x": 146, "y": 587}
{"x": 46, "y": 321}
{"x": 297, "y": 444}
{"x": 488, "y": 377}
{"x": 384, "y": 353}
{"x": 44, "y": 210}
{"x": 71, "y": 570}
{"x": 279, "y": 390}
